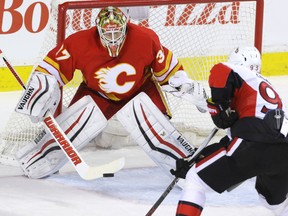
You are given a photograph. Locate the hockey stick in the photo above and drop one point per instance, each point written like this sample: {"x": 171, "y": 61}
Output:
{"x": 86, "y": 172}
{"x": 174, "y": 182}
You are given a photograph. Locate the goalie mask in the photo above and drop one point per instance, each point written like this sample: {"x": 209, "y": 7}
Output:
{"x": 248, "y": 57}
{"x": 111, "y": 24}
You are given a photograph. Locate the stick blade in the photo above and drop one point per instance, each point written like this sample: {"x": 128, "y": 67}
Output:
{"x": 90, "y": 173}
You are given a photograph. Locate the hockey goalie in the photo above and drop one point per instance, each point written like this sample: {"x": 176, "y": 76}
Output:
{"x": 123, "y": 67}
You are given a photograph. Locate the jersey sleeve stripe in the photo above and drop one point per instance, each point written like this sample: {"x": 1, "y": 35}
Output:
{"x": 42, "y": 70}
{"x": 168, "y": 62}
{"x": 56, "y": 65}
{"x": 164, "y": 79}
{"x": 52, "y": 71}
{"x": 174, "y": 65}
{"x": 53, "y": 68}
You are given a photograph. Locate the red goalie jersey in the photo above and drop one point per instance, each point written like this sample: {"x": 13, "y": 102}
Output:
{"x": 117, "y": 79}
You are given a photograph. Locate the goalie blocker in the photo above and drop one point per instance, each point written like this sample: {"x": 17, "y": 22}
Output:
{"x": 41, "y": 95}
{"x": 154, "y": 133}
{"x": 81, "y": 122}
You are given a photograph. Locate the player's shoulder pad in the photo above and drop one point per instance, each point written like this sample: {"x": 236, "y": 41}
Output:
{"x": 218, "y": 75}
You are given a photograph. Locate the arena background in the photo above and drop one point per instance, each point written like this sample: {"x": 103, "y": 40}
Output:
{"x": 23, "y": 25}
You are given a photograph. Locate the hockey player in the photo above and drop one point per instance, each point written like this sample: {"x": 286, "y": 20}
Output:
{"x": 118, "y": 60}
{"x": 245, "y": 102}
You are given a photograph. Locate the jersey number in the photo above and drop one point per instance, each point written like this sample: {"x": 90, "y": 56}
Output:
{"x": 269, "y": 94}
{"x": 62, "y": 54}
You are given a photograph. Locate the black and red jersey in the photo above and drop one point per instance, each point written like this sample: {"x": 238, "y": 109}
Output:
{"x": 246, "y": 92}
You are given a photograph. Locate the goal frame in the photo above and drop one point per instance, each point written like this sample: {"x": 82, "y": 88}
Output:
{"x": 205, "y": 49}
{"x": 62, "y": 8}
{"x": 87, "y": 4}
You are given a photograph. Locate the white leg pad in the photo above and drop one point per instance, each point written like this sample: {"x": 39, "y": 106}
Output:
{"x": 82, "y": 122}
{"x": 152, "y": 131}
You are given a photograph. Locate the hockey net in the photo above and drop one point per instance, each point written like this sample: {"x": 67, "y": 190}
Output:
{"x": 200, "y": 33}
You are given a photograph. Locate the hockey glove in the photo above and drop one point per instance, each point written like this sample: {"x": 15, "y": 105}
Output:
{"x": 222, "y": 118}
{"x": 182, "y": 167}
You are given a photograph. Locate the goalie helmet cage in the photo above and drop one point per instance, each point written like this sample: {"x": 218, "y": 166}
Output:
{"x": 200, "y": 32}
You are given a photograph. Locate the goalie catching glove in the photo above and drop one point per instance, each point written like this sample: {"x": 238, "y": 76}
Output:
{"x": 42, "y": 94}
{"x": 223, "y": 117}
{"x": 180, "y": 85}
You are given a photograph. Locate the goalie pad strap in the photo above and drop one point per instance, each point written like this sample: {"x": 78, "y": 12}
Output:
{"x": 81, "y": 122}
{"x": 152, "y": 131}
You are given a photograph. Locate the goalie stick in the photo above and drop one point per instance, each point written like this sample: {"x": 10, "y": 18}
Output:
{"x": 85, "y": 171}
{"x": 174, "y": 182}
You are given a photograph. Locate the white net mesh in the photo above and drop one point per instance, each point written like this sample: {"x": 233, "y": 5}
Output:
{"x": 200, "y": 34}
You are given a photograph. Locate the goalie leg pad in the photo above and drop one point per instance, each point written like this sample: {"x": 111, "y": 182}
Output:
{"x": 81, "y": 122}
{"x": 153, "y": 132}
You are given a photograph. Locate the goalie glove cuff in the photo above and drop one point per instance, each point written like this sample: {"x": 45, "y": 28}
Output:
{"x": 188, "y": 89}
{"x": 179, "y": 78}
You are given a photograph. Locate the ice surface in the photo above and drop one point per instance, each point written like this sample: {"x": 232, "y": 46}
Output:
{"x": 131, "y": 192}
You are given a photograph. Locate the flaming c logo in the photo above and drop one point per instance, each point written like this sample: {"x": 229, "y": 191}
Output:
{"x": 108, "y": 78}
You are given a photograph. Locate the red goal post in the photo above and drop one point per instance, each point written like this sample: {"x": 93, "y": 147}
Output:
{"x": 88, "y": 4}
{"x": 200, "y": 32}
